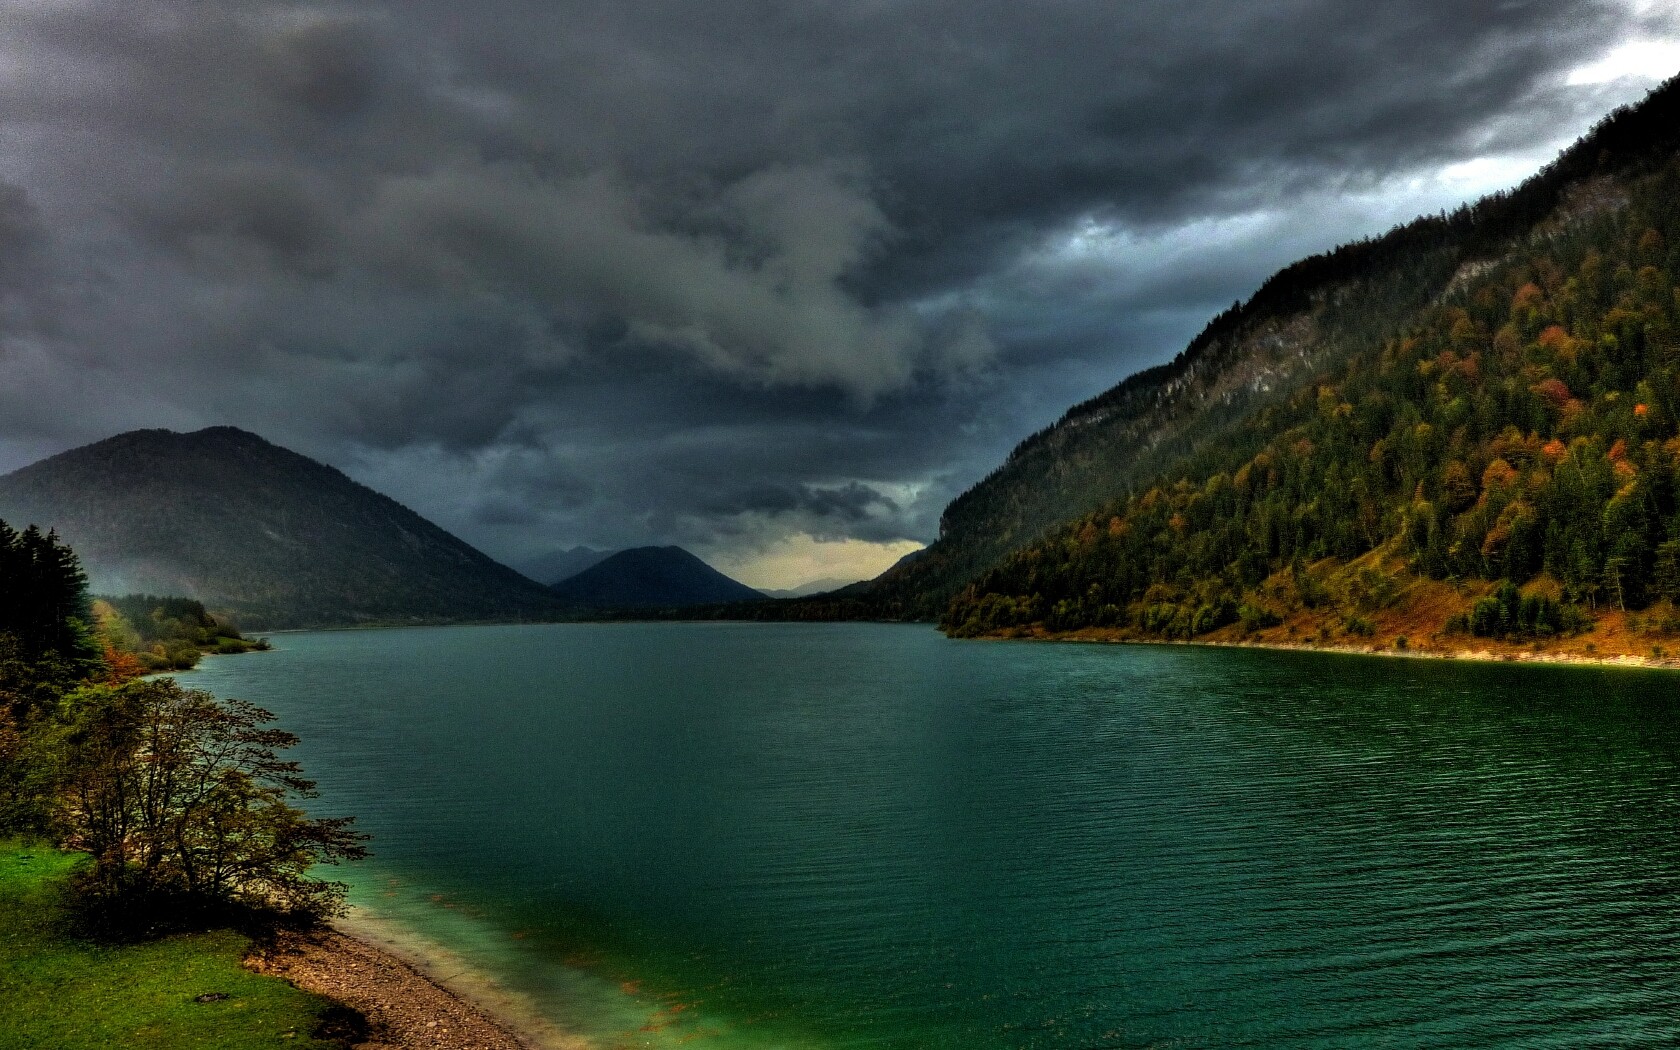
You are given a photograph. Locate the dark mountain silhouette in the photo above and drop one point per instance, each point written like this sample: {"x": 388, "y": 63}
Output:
{"x": 552, "y": 567}
{"x": 251, "y": 529}
{"x": 652, "y": 578}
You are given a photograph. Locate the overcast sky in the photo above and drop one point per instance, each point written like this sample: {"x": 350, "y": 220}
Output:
{"x": 773, "y": 281}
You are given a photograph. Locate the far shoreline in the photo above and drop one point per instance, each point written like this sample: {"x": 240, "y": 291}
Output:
{"x": 1493, "y": 653}
{"x": 1486, "y": 650}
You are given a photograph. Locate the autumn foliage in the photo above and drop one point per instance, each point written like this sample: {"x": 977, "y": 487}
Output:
{"x": 1524, "y": 428}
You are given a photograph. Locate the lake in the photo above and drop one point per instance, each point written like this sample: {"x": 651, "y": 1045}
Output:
{"x": 855, "y": 835}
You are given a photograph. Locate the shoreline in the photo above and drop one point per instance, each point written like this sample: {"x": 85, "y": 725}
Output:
{"x": 1486, "y": 651}
{"x": 415, "y": 994}
{"x": 1492, "y": 653}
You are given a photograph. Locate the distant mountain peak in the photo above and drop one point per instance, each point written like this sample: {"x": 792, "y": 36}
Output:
{"x": 554, "y": 566}
{"x": 652, "y": 577}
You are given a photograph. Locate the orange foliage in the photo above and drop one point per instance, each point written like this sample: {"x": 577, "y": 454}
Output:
{"x": 1641, "y": 410}
{"x": 1555, "y": 451}
{"x": 1555, "y": 391}
{"x": 121, "y": 667}
{"x": 1495, "y": 540}
{"x": 1555, "y": 337}
{"x": 1618, "y": 451}
{"x": 1498, "y": 475}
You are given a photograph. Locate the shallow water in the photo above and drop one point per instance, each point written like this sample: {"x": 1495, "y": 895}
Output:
{"x": 723, "y": 835}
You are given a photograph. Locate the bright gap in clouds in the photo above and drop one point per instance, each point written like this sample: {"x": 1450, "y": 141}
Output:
{"x": 1649, "y": 59}
{"x": 802, "y": 558}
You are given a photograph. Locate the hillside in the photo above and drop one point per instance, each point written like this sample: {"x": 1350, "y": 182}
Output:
{"x": 1477, "y": 435}
{"x": 249, "y": 528}
{"x": 652, "y": 578}
{"x": 1307, "y": 321}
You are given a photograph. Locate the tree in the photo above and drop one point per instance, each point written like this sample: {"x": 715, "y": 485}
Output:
{"x": 46, "y": 608}
{"x": 1666, "y": 578}
{"x": 46, "y": 649}
{"x": 185, "y": 804}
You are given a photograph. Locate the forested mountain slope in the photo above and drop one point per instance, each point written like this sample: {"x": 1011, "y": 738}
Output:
{"x": 1307, "y": 321}
{"x": 255, "y": 530}
{"x": 1487, "y": 401}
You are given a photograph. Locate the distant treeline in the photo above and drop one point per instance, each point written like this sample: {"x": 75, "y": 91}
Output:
{"x": 161, "y": 633}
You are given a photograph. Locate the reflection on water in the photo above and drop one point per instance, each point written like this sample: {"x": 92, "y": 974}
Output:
{"x": 859, "y": 835}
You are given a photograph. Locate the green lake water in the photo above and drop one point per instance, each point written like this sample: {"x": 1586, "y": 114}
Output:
{"x": 746, "y": 836}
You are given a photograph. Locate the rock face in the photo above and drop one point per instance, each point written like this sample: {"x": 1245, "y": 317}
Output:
{"x": 652, "y": 578}
{"x": 249, "y": 528}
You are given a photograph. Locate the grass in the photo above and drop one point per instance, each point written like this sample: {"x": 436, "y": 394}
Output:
{"x": 58, "y": 990}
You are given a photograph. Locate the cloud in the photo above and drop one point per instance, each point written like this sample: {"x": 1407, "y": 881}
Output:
{"x": 725, "y": 274}
{"x": 753, "y": 290}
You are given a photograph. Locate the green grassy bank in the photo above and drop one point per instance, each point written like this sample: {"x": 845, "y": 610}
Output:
{"x": 60, "y": 991}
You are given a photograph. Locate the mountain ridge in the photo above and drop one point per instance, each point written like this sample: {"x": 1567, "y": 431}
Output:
{"x": 1307, "y": 317}
{"x": 1490, "y": 458}
{"x": 652, "y": 578}
{"x": 268, "y": 535}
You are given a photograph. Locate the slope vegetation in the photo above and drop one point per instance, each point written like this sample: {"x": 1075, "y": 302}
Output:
{"x": 1308, "y": 320}
{"x": 1478, "y": 436}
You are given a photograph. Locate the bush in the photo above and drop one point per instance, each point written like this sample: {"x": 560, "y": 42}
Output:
{"x": 1507, "y": 613}
{"x": 185, "y": 806}
{"x": 1359, "y": 625}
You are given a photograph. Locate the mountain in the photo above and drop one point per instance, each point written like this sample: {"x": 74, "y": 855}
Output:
{"x": 555, "y": 566}
{"x": 1313, "y": 393}
{"x": 806, "y": 590}
{"x": 251, "y": 529}
{"x": 1466, "y": 427}
{"x": 652, "y": 578}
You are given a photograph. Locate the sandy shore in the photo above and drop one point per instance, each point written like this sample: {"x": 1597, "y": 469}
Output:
{"x": 414, "y": 997}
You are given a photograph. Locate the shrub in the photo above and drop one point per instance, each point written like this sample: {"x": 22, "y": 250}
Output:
{"x": 1359, "y": 625}
{"x": 185, "y": 805}
{"x": 1507, "y": 613}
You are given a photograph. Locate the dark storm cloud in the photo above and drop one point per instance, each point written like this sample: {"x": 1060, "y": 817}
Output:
{"x": 710, "y": 273}
{"x": 849, "y": 502}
